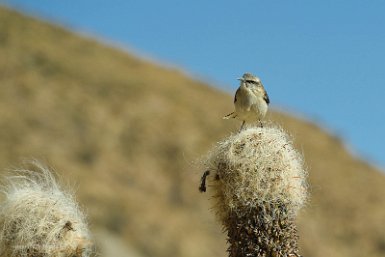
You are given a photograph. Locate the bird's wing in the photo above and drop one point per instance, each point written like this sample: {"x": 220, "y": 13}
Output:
{"x": 236, "y": 93}
{"x": 266, "y": 98}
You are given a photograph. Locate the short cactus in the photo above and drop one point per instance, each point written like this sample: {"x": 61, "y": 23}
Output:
{"x": 258, "y": 184}
{"x": 37, "y": 218}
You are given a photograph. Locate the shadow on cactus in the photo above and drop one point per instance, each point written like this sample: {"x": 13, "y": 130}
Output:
{"x": 258, "y": 184}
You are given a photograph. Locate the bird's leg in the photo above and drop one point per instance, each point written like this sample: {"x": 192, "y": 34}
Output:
{"x": 202, "y": 187}
{"x": 243, "y": 124}
{"x": 260, "y": 123}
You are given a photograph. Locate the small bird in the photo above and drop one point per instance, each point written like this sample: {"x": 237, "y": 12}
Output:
{"x": 251, "y": 100}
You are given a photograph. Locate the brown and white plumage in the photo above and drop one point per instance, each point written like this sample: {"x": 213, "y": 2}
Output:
{"x": 251, "y": 100}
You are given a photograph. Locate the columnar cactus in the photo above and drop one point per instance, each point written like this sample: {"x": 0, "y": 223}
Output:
{"x": 259, "y": 185}
{"x": 37, "y": 218}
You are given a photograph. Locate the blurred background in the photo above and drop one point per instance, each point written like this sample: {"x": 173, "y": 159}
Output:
{"x": 124, "y": 98}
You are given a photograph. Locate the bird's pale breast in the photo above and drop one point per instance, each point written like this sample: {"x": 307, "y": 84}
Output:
{"x": 250, "y": 105}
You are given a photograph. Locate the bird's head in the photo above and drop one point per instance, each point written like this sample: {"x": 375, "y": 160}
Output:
{"x": 250, "y": 80}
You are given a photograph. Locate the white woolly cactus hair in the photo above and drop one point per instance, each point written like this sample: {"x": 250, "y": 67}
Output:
{"x": 257, "y": 166}
{"x": 38, "y": 218}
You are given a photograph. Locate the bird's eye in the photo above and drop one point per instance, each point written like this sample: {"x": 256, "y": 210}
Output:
{"x": 251, "y": 82}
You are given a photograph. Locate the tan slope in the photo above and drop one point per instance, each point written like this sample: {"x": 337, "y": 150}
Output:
{"x": 127, "y": 134}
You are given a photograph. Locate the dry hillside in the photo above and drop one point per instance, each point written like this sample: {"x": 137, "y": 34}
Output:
{"x": 127, "y": 135}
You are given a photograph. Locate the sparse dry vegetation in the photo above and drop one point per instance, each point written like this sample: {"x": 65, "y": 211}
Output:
{"x": 125, "y": 130}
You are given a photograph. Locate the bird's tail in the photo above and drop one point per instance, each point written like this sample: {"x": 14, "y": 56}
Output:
{"x": 230, "y": 116}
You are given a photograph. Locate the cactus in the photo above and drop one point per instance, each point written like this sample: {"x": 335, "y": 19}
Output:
{"x": 38, "y": 218}
{"x": 259, "y": 185}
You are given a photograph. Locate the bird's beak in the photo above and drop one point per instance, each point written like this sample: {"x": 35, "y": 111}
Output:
{"x": 241, "y": 79}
